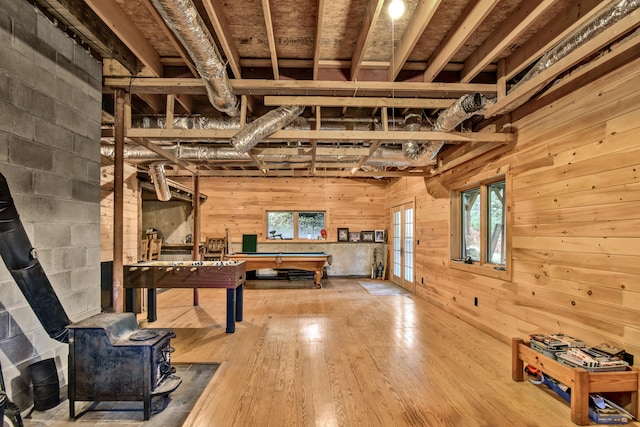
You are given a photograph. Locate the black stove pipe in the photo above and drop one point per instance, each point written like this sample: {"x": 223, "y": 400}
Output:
{"x": 22, "y": 261}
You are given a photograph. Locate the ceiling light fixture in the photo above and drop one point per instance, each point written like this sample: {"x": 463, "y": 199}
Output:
{"x": 396, "y": 9}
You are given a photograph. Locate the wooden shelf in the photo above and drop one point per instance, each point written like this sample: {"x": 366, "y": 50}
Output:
{"x": 581, "y": 381}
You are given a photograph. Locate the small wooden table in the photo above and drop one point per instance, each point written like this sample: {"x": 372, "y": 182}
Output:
{"x": 307, "y": 261}
{"x": 581, "y": 381}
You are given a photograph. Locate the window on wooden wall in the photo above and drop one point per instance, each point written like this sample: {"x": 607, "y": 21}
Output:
{"x": 480, "y": 229}
{"x": 295, "y": 225}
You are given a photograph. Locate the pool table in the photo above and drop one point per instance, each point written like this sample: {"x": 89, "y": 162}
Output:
{"x": 307, "y": 261}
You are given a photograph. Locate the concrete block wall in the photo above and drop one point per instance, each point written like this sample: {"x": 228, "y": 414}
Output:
{"x": 50, "y": 110}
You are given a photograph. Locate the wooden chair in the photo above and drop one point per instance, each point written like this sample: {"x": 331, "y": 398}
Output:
{"x": 215, "y": 248}
{"x": 144, "y": 250}
{"x": 155, "y": 245}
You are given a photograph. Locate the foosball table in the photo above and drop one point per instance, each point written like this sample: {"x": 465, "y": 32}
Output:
{"x": 186, "y": 274}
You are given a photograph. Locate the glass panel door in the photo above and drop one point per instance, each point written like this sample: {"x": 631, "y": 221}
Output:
{"x": 408, "y": 244}
{"x": 403, "y": 240}
{"x": 397, "y": 245}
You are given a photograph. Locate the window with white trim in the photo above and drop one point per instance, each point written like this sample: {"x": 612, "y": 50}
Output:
{"x": 295, "y": 225}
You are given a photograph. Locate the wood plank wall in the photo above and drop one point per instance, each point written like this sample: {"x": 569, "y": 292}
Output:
{"x": 240, "y": 204}
{"x": 576, "y": 216}
{"x": 132, "y": 234}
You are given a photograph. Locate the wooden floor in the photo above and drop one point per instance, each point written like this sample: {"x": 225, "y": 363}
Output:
{"x": 339, "y": 356}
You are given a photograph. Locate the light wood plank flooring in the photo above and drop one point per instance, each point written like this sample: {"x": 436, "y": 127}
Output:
{"x": 339, "y": 356}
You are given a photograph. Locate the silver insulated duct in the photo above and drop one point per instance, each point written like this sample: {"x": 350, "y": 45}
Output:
{"x": 609, "y": 16}
{"x": 163, "y": 192}
{"x": 183, "y": 19}
{"x": 189, "y": 152}
{"x": 250, "y": 135}
{"x": 462, "y": 109}
{"x": 459, "y": 111}
{"x": 412, "y": 123}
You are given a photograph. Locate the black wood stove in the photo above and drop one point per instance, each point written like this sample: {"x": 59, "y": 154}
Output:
{"x": 112, "y": 359}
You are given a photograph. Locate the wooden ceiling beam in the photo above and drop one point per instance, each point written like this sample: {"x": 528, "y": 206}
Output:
{"x": 345, "y": 101}
{"x": 76, "y": 15}
{"x": 303, "y": 87}
{"x": 221, "y": 27}
{"x": 619, "y": 54}
{"x": 558, "y": 28}
{"x": 306, "y": 173}
{"x": 166, "y": 154}
{"x": 471, "y": 19}
{"x": 525, "y": 15}
{"x": 476, "y": 149}
{"x": 172, "y": 37}
{"x": 522, "y": 93}
{"x": 154, "y": 101}
{"x": 112, "y": 14}
{"x": 364, "y": 37}
{"x": 325, "y": 135}
{"x": 420, "y": 19}
{"x": 318, "y": 40}
{"x": 343, "y": 64}
{"x": 266, "y": 11}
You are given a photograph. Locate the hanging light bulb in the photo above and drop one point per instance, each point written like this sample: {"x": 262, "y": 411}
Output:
{"x": 396, "y": 9}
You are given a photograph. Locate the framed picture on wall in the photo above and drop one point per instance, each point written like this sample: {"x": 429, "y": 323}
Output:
{"x": 343, "y": 234}
{"x": 379, "y": 236}
{"x": 354, "y": 236}
{"x": 367, "y": 236}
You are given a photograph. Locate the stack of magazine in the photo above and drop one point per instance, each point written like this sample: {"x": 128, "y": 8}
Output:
{"x": 551, "y": 345}
{"x": 574, "y": 353}
{"x": 591, "y": 360}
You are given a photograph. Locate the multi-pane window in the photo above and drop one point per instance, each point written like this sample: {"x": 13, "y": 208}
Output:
{"x": 480, "y": 228}
{"x": 288, "y": 225}
{"x": 496, "y": 242}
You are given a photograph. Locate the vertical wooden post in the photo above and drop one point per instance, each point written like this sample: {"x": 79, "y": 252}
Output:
{"x": 501, "y": 84}
{"x": 196, "y": 230}
{"x": 171, "y": 100}
{"x": 517, "y": 366}
{"x": 118, "y": 203}
{"x": 580, "y": 397}
{"x": 635, "y": 397}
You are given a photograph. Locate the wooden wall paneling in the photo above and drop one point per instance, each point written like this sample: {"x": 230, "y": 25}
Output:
{"x": 240, "y": 203}
{"x": 587, "y": 276}
{"x": 613, "y": 164}
{"x": 613, "y": 87}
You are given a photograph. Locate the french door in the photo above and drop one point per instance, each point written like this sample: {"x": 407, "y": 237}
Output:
{"x": 402, "y": 241}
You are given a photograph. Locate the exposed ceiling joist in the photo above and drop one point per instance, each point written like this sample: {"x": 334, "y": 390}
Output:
{"x": 525, "y": 15}
{"x": 164, "y": 153}
{"x": 344, "y": 57}
{"x": 120, "y": 23}
{"x": 364, "y": 37}
{"x": 578, "y": 13}
{"x": 318, "y": 38}
{"x": 338, "y": 101}
{"x": 304, "y": 87}
{"x": 305, "y": 173}
{"x": 420, "y": 19}
{"x": 221, "y": 27}
{"x": 462, "y": 30}
{"x": 172, "y": 38}
{"x": 522, "y": 93}
{"x": 266, "y": 11}
{"x": 324, "y": 135}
